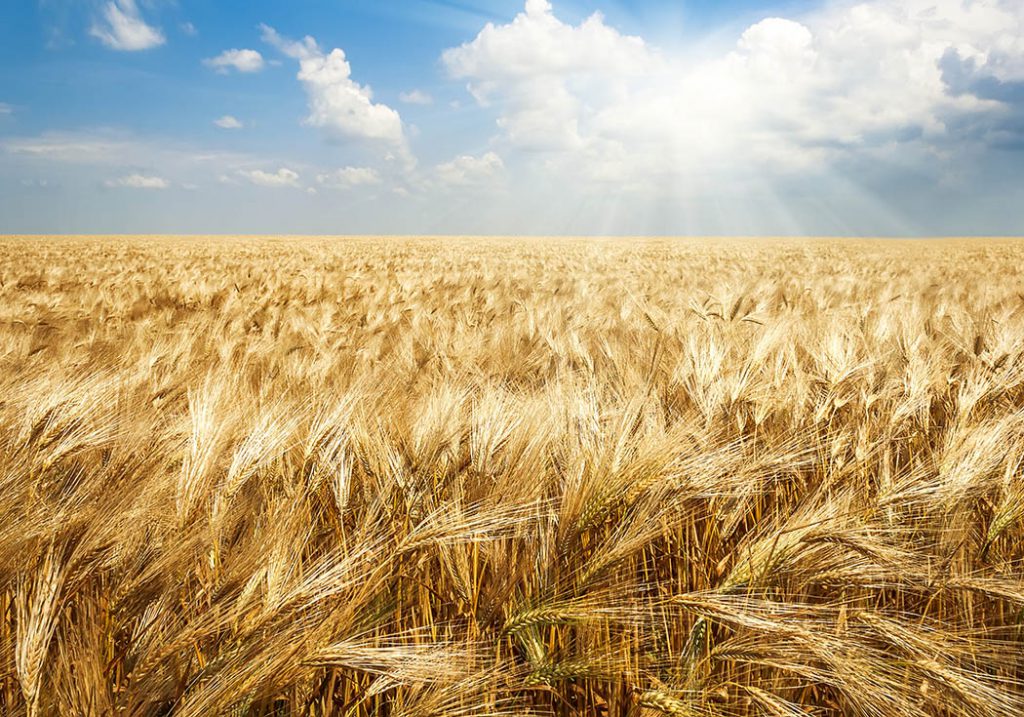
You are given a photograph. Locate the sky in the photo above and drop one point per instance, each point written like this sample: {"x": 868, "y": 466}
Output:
{"x": 617, "y": 117}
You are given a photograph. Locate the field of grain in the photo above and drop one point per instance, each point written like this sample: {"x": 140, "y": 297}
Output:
{"x": 463, "y": 476}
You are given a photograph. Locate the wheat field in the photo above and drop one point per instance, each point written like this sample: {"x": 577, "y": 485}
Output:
{"x": 459, "y": 476}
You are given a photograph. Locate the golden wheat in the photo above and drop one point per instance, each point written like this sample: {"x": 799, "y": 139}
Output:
{"x": 462, "y": 476}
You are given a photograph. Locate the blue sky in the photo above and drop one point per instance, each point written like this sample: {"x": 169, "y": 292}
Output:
{"x": 884, "y": 117}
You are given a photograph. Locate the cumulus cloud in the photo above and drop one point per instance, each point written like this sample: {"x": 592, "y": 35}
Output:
{"x": 537, "y": 43}
{"x": 137, "y": 181}
{"x": 467, "y": 170}
{"x": 789, "y": 95}
{"x": 542, "y": 73}
{"x": 228, "y": 122}
{"x": 348, "y": 177}
{"x": 995, "y": 79}
{"x": 240, "y": 60}
{"x": 121, "y": 27}
{"x": 416, "y": 97}
{"x": 337, "y": 103}
{"x": 283, "y": 177}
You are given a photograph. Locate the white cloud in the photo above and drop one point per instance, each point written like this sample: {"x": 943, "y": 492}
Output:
{"x": 283, "y": 177}
{"x": 537, "y": 43}
{"x": 112, "y": 149}
{"x": 348, "y": 177}
{"x": 790, "y": 95}
{"x": 416, "y": 97}
{"x": 112, "y": 158}
{"x": 70, "y": 148}
{"x": 240, "y": 60}
{"x": 541, "y": 73}
{"x": 121, "y": 27}
{"x": 228, "y": 122}
{"x": 6, "y": 109}
{"x": 467, "y": 170}
{"x": 296, "y": 49}
{"x": 337, "y": 103}
{"x": 137, "y": 181}
{"x": 189, "y": 29}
